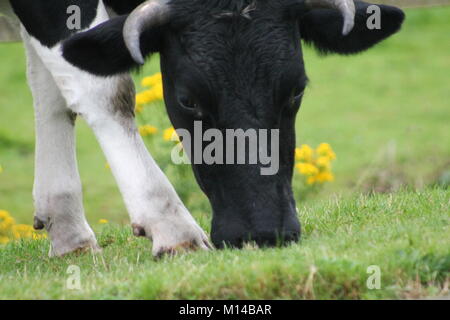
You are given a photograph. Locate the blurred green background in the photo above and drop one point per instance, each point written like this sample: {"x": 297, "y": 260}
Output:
{"x": 386, "y": 113}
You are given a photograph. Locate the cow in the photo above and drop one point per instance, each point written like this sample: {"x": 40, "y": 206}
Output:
{"x": 231, "y": 64}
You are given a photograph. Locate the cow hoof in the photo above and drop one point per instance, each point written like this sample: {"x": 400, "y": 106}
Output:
{"x": 170, "y": 252}
{"x": 182, "y": 248}
{"x": 71, "y": 240}
{"x": 171, "y": 244}
{"x": 87, "y": 247}
{"x": 38, "y": 224}
{"x": 172, "y": 231}
{"x": 91, "y": 248}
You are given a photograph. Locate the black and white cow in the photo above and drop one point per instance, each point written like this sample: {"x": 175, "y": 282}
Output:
{"x": 229, "y": 63}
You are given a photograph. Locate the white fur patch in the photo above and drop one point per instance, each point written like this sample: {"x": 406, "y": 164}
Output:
{"x": 150, "y": 198}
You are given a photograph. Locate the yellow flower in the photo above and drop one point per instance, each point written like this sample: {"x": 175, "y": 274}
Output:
{"x": 156, "y": 92}
{"x": 170, "y": 135}
{"x": 1, "y": 169}
{"x": 143, "y": 97}
{"x": 147, "y": 130}
{"x": 6, "y": 221}
{"x": 4, "y": 240}
{"x": 325, "y": 176}
{"x": 9, "y": 230}
{"x": 315, "y": 164}
{"x": 304, "y": 153}
{"x": 22, "y": 231}
{"x": 325, "y": 150}
{"x": 102, "y": 221}
{"x": 153, "y": 93}
{"x": 38, "y": 236}
{"x": 107, "y": 166}
{"x": 307, "y": 169}
{"x": 150, "y": 95}
{"x": 4, "y": 214}
{"x": 323, "y": 162}
{"x": 311, "y": 180}
{"x": 152, "y": 80}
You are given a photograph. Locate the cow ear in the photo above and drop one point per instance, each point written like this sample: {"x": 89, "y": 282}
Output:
{"x": 102, "y": 51}
{"x": 373, "y": 23}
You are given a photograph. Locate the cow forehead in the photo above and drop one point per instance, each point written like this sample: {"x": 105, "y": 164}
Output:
{"x": 244, "y": 29}
{"x": 238, "y": 53}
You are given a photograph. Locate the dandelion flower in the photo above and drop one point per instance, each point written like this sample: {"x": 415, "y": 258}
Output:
{"x": 324, "y": 149}
{"x": 307, "y": 169}
{"x": 38, "y": 236}
{"x": 170, "y": 135}
{"x": 304, "y": 153}
{"x": 157, "y": 92}
{"x": 143, "y": 97}
{"x": 325, "y": 176}
{"x": 323, "y": 162}
{"x": 6, "y": 221}
{"x": 147, "y": 130}
{"x": 311, "y": 180}
{"x": 152, "y": 80}
{"x": 22, "y": 231}
{"x": 4, "y": 240}
{"x": 103, "y": 221}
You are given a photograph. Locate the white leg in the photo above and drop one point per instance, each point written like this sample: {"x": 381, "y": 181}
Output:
{"x": 155, "y": 209}
{"x": 57, "y": 187}
{"x": 107, "y": 105}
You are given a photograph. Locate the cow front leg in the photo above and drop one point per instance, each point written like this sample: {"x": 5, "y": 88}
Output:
{"x": 155, "y": 209}
{"x": 107, "y": 104}
{"x": 57, "y": 187}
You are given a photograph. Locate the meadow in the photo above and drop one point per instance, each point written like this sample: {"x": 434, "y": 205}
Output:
{"x": 386, "y": 114}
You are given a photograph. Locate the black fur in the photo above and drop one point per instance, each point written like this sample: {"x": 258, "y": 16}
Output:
{"x": 322, "y": 28}
{"x": 123, "y": 6}
{"x": 91, "y": 50}
{"x": 241, "y": 72}
{"x": 46, "y": 20}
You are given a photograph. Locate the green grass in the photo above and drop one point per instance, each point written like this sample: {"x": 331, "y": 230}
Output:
{"x": 405, "y": 234}
{"x": 384, "y": 112}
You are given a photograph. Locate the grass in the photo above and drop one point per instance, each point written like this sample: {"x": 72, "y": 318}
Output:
{"x": 384, "y": 112}
{"x": 405, "y": 234}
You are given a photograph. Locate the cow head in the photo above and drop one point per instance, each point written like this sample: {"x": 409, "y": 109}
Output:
{"x": 235, "y": 64}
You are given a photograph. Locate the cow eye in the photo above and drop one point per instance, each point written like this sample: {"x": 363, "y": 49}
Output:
{"x": 190, "y": 105}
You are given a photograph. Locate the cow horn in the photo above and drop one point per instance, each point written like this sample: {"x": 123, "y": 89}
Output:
{"x": 151, "y": 13}
{"x": 346, "y": 7}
